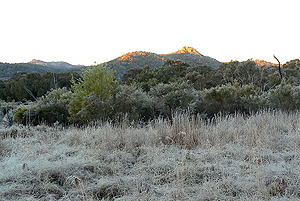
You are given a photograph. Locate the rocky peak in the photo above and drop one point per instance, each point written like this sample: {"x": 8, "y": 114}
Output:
{"x": 38, "y": 62}
{"x": 186, "y": 49}
{"x": 262, "y": 63}
{"x": 131, "y": 55}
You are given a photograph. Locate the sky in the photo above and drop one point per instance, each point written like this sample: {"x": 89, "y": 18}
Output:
{"x": 88, "y": 31}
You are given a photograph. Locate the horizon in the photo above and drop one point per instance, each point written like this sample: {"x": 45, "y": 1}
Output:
{"x": 254, "y": 59}
{"x": 81, "y": 33}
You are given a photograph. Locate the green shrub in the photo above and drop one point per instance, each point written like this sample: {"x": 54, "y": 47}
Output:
{"x": 176, "y": 96}
{"x": 97, "y": 84}
{"x": 130, "y": 101}
{"x": 284, "y": 96}
{"x": 231, "y": 98}
{"x": 52, "y": 107}
{"x": 135, "y": 103}
{"x": 94, "y": 109}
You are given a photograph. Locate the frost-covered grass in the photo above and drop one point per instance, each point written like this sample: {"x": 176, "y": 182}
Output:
{"x": 229, "y": 158}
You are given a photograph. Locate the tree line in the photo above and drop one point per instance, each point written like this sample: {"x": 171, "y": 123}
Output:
{"x": 23, "y": 86}
{"x": 143, "y": 94}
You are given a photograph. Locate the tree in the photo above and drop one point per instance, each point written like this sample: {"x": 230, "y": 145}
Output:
{"x": 140, "y": 77}
{"x": 131, "y": 75}
{"x": 171, "y": 71}
{"x": 201, "y": 76}
{"x": 245, "y": 72}
{"x": 291, "y": 71}
{"x": 97, "y": 82}
{"x": 292, "y": 63}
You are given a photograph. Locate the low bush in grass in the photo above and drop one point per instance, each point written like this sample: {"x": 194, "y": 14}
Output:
{"x": 48, "y": 109}
{"x": 230, "y": 98}
{"x": 284, "y": 96}
{"x": 134, "y": 103}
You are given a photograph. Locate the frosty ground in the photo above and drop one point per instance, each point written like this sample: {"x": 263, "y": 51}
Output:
{"x": 235, "y": 157}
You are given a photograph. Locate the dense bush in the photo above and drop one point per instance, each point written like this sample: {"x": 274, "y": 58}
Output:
{"x": 129, "y": 102}
{"x": 198, "y": 76}
{"x": 285, "y": 97}
{"x": 231, "y": 98}
{"x": 176, "y": 96}
{"x": 134, "y": 103}
{"x": 246, "y": 72}
{"x": 92, "y": 109}
{"x": 202, "y": 77}
{"x": 51, "y": 108}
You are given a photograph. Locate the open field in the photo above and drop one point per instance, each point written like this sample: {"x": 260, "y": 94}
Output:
{"x": 229, "y": 158}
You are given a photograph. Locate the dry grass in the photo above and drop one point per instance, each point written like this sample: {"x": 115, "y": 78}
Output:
{"x": 229, "y": 158}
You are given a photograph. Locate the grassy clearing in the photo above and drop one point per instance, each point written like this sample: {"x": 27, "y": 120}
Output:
{"x": 230, "y": 158}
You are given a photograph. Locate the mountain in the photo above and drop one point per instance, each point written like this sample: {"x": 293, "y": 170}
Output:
{"x": 55, "y": 64}
{"x": 153, "y": 60}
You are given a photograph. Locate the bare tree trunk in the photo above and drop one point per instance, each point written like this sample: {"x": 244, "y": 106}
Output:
{"x": 278, "y": 67}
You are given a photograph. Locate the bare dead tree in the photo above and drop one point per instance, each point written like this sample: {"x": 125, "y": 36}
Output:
{"x": 30, "y": 93}
{"x": 279, "y": 69}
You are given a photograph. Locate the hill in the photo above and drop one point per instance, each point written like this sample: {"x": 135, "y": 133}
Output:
{"x": 55, "y": 64}
{"x": 8, "y": 69}
{"x": 153, "y": 60}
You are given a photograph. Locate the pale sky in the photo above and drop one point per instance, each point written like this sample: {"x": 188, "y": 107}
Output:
{"x": 82, "y": 32}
